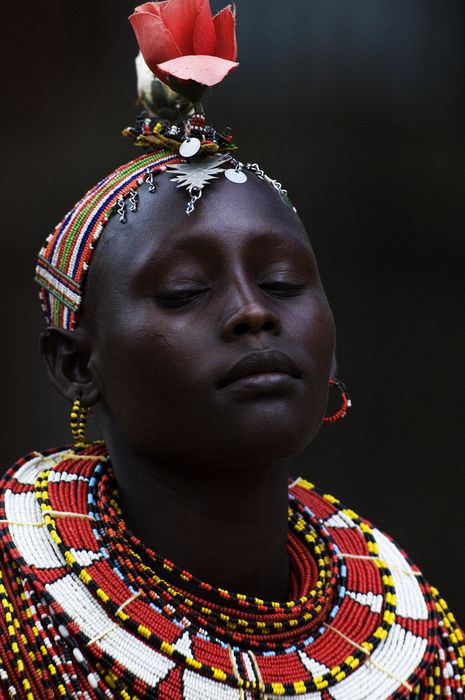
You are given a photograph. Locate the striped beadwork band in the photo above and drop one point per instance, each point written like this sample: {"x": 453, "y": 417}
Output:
{"x": 66, "y": 255}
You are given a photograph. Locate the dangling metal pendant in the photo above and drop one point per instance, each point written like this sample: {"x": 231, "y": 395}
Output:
{"x": 122, "y": 209}
{"x": 149, "y": 180}
{"x": 196, "y": 174}
{"x": 190, "y": 147}
{"x": 236, "y": 175}
{"x": 196, "y": 193}
{"x": 134, "y": 199}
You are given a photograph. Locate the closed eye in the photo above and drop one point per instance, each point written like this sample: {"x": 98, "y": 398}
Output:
{"x": 180, "y": 297}
{"x": 283, "y": 289}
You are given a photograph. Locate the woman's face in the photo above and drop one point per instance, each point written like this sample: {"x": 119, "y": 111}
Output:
{"x": 211, "y": 336}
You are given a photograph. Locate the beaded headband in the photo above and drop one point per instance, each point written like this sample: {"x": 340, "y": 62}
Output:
{"x": 183, "y": 52}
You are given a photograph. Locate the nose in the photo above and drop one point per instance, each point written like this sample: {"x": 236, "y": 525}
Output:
{"x": 251, "y": 316}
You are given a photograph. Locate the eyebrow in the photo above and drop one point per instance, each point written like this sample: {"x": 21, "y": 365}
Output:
{"x": 205, "y": 241}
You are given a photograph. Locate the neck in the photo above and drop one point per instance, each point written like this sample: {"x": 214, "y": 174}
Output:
{"x": 226, "y": 525}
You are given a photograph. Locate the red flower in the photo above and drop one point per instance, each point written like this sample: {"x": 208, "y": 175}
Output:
{"x": 181, "y": 41}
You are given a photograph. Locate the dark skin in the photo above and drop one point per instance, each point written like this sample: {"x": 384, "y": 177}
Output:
{"x": 172, "y": 304}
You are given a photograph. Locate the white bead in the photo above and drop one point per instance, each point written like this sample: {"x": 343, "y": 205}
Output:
{"x": 78, "y": 655}
{"x": 92, "y": 680}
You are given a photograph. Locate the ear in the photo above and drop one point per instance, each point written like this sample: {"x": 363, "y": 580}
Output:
{"x": 66, "y": 355}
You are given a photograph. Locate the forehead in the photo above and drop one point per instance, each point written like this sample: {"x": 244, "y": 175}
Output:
{"x": 228, "y": 217}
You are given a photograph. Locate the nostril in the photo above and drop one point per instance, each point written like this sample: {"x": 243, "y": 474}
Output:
{"x": 241, "y": 328}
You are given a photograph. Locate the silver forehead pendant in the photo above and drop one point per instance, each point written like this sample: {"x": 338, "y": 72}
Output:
{"x": 236, "y": 175}
{"x": 195, "y": 174}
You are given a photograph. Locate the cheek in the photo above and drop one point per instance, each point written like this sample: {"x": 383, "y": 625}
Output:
{"x": 314, "y": 330}
{"x": 130, "y": 362}
{"x": 316, "y": 337}
{"x": 146, "y": 372}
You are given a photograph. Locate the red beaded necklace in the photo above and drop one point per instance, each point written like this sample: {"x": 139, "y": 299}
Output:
{"x": 238, "y": 618}
{"x": 86, "y": 606}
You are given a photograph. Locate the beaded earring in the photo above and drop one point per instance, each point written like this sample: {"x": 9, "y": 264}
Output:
{"x": 346, "y": 402}
{"x": 78, "y": 423}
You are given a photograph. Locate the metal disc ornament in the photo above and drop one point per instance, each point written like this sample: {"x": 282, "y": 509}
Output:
{"x": 190, "y": 147}
{"x": 237, "y": 176}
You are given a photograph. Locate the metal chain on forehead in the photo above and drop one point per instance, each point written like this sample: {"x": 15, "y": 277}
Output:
{"x": 196, "y": 173}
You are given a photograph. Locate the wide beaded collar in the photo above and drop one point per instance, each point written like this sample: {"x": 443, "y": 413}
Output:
{"x": 89, "y": 611}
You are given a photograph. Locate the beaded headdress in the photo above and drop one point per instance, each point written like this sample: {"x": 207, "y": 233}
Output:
{"x": 184, "y": 51}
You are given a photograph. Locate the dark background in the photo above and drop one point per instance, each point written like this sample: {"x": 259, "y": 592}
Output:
{"x": 357, "y": 107}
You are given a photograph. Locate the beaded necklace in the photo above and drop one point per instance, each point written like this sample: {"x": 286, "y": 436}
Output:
{"x": 88, "y": 611}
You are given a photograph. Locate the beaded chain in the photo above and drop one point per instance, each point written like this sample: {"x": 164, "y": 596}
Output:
{"x": 88, "y": 611}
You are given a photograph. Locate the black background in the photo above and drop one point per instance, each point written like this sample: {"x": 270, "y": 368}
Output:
{"x": 357, "y": 107}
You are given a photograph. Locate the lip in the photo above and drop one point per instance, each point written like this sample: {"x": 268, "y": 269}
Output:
{"x": 270, "y": 363}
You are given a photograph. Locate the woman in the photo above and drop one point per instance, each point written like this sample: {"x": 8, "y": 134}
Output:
{"x": 176, "y": 560}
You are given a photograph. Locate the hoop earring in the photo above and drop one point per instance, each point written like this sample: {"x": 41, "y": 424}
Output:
{"x": 78, "y": 423}
{"x": 346, "y": 402}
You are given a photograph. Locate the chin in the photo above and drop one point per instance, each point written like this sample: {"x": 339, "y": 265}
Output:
{"x": 270, "y": 437}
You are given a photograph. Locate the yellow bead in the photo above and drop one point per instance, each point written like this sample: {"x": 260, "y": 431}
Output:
{"x": 278, "y": 688}
{"x": 300, "y": 687}
{"x": 219, "y": 675}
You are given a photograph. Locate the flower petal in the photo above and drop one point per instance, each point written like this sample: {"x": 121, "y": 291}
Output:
{"x": 155, "y": 41}
{"x": 153, "y": 8}
{"x": 206, "y": 70}
{"x": 204, "y": 32}
{"x": 187, "y": 18}
{"x": 225, "y": 27}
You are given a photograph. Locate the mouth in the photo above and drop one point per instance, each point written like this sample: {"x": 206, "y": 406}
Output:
{"x": 270, "y": 363}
